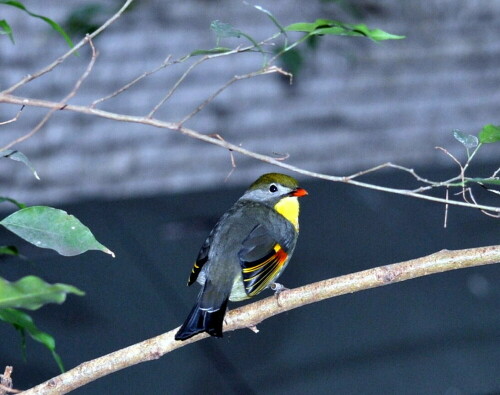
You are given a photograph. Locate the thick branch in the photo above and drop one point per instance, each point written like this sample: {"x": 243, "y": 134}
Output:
{"x": 250, "y": 315}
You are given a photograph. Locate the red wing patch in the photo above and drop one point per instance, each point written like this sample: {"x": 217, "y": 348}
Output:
{"x": 258, "y": 274}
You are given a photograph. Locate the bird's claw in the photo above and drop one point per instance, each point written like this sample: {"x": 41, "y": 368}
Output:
{"x": 278, "y": 288}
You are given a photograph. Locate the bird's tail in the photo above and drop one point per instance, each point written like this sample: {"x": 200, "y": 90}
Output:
{"x": 202, "y": 320}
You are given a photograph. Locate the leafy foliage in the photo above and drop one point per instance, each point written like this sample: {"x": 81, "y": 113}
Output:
{"x": 6, "y": 29}
{"x": 24, "y": 324}
{"x": 468, "y": 140}
{"x": 9, "y": 250}
{"x": 13, "y": 201}
{"x": 20, "y": 157}
{"x": 86, "y": 18}
{"x": 32, "y": 292}
{"x": 44, "y": 227}
{"x": 331, "y": 27}
{"x": 489, "y": 134}
{"x": 47, "y": 227}
{"x": 224, "y": 30}
{"x": 54, "y": 25}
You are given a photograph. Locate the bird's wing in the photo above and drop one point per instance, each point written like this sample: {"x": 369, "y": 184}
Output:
{"x": 262, "y": 259}
{"x": 200, "y": 260}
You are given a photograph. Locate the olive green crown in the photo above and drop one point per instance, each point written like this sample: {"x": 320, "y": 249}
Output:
{"x": 278, "y": 178}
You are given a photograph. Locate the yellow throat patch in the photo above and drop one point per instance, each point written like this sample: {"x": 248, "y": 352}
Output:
{"x": 288, "y": 207}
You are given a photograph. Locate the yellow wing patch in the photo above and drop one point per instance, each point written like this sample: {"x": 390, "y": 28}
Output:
{"x": 259, "y": 274}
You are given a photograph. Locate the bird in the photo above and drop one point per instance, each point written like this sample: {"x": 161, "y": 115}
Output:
{"x": 246, "y": 251}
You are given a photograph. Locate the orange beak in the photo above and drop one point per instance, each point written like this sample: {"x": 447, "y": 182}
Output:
{"x": 299, "y": 192}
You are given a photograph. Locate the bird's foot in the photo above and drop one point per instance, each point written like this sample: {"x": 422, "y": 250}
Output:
{"x": 278, "y": 289}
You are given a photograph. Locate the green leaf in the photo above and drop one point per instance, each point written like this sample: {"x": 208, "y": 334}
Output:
{"x": 489, "y": 134}
{"x": 375, "y": 34}
{"x": 272, "y": 17}
{"x": 24, "y": 323}
{"x": 330, "y": 27}
{"x": 19, "y": 157}
{"x": 292, "y": 61}
{"x": 86, "y": 18}
{"x": 223, "y": 29}
{"x": 6, "y": 29}
{"x": 9, "y": 250}
{"x": 213, "y": 51}
{"x": 47, "y": 227}
{"x": 52, "y": 24}
{"x": 32, "y": 292}
{"x": 492, "y": 181}
{"x": 468, "y": 140}
{"x": 6, "y": 199}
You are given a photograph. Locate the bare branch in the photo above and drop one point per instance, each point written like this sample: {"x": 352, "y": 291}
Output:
{"x": 164, "y": 64}
{"x": 57, "y": 62}
{"x": 13, "y": 119}
{"x": 233, "y": 161}
{"x": 446, "y": 209}
{"x": 250, "y": 315}
{"x": 63, "y": 102}
{"x": 175, "y": 86}
{"x": 266, "y": 70}
{"x": 6, "y": 382}
{"x": 236, "y": 148}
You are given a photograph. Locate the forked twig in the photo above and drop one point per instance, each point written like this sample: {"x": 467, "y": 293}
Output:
{"x": 176, "y": 85}
{"x": 63, "y": 102}
{"x": 233, "y": 161}
{"x": 265, "y": 70}
{"x": 58, "y": 61}
{"x": 13, "y": 119}
{"x": 164, "y": 64}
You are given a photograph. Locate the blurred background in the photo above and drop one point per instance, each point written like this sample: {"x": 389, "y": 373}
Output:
{"x": 152, "y": 195}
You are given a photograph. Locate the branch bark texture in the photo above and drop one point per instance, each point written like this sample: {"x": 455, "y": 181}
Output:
{"x": 252, "y": 314}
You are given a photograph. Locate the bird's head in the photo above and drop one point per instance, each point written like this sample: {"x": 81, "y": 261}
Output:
{"x": 270, "y": 188}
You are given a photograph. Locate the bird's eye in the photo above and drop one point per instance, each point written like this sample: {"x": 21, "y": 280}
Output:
{"x": 273, "y": 188}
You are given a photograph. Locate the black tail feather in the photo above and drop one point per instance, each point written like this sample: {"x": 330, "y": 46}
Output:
{"x": 200, "y": 320}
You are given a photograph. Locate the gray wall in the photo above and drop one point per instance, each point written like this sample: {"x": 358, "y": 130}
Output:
{"x": 355, "y": 105}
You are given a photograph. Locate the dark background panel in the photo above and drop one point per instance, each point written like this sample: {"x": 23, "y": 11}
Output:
{"x": 437, "y": 334}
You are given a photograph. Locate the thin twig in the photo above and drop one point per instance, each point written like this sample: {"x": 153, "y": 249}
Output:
{"x": 233, "y": 161}
{"x": 238, "y": 49}
{"x": 266, "y": 70}
{"x": 63, "y": 102}
{"x": 446, "y": 209}
{"x": 6, "y": 382}
{"x": 450, "y": 155}
{"x": 431, "y": 184}
{"x": 13, "y": 119}
{"x": 251, "y": 315}
{"x": 58, "y": 61}
{"x": 484, "y": 212}
{"x": 164, "y": 64}
{"x": 176, "y": 85}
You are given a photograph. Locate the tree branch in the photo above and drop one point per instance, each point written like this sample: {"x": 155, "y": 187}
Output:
{"x": 7, "y": 98}
{"x": 63, "y": 101}
{"x": 250, "y": 315}
{"x": 58, "y": 61}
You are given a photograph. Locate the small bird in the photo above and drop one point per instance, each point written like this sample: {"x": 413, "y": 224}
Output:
{"x": 246, "y": 251}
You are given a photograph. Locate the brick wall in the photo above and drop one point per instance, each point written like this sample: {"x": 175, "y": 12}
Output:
{"x": 356, "y": 103}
